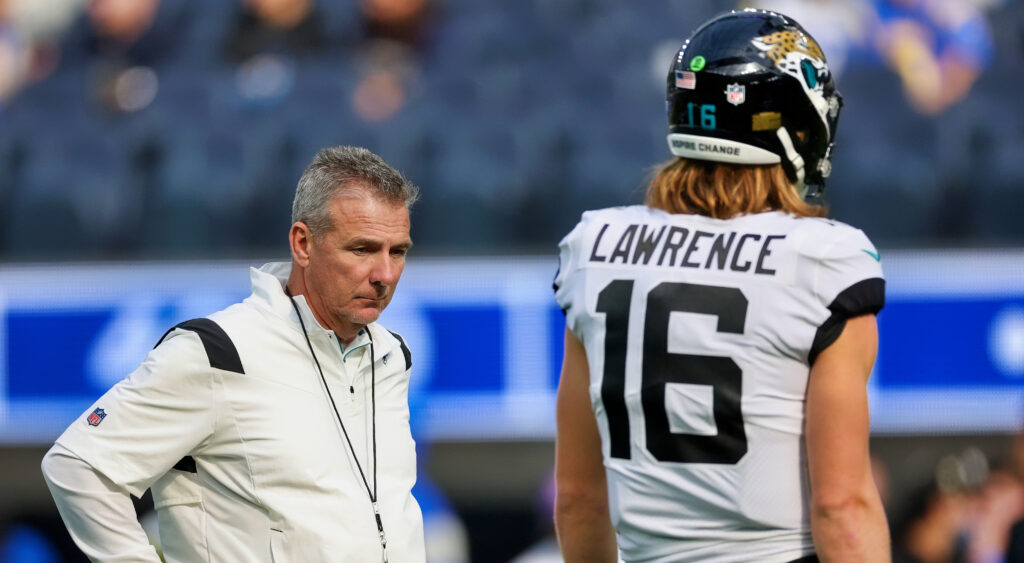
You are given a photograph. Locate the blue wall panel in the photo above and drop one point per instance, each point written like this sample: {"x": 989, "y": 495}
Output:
{"x": 468, "y": 348}
{"x": 46, "y": 352}
{"x": 944, "y": 342}
{"x": 487, "y": 340}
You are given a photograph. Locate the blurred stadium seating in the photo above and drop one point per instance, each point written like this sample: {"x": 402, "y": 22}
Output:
{"x": 505, "y": 109}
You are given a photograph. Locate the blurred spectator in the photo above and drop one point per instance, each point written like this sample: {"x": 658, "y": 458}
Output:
{"x": 40, "y": 20}
{"x": 121, "y": 22}
{"x": 404, "y": 21}
{"x": 998, "y": 506}
{"x": 931, "y": 529}
{"x": 123, "y": 75}
{"x": 966, "y": 512}
{"x": 265, "y": 40}
{"x": 938, "y": 48}
{"x": 28, "y": 33}
{"x": 388, "y": 70}
{"x": 280, "y": 27}
{"x": 14, "y": 61}
{"x": 119, "y": 50}
{"x": 389, "y": 60}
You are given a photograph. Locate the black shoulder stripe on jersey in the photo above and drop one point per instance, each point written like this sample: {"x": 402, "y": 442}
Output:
{"x": 220, "y": 351}
{"x": 186, "y": 464}
{"x": 405, "y": 350}
{"x": 862, "y": 298}
{"x": 827, "y": 333}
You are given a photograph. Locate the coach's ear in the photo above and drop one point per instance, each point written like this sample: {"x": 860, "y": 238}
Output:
{"x": 301, "y": 240}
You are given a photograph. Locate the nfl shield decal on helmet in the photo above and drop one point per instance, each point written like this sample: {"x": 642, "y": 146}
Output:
{"x": 735, "y": 94}
{"x": 96, "y": 417}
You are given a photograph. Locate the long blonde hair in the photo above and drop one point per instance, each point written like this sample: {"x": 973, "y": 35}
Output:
{"x": 722, "y": 190}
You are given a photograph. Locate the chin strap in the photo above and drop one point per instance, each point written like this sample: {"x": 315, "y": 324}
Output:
{"x": 795, "y": 159}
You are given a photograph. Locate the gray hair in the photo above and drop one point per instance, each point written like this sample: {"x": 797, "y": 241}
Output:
{"x": 335, "y": 170}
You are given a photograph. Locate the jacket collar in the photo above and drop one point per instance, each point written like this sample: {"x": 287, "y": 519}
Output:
{"x": 268, "y": 283}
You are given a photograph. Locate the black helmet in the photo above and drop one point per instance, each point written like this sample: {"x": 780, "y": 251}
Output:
{"x": 753, "y": 87}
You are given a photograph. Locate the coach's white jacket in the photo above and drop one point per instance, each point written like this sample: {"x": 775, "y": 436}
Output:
{"x": 236, "y": 435}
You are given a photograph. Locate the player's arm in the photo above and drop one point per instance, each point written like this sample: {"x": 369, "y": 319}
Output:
{"x": 847, "y": 518}
{"x": 98, "y": 514}
{"x": 584, "y": 528}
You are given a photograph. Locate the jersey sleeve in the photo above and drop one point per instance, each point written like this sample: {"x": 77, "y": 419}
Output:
{"x": 150, "y": 420}
{"x": 848, "y": 281}
{"x": 568, "y": 279}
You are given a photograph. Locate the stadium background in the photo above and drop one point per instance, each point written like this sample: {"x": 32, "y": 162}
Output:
{"x": 149, "y": 151}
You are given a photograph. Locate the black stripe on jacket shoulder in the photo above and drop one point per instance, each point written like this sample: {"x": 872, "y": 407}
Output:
{"x": 405, "y": 350}
{"x": 862, "y": 298}
{"x": 220, "y": 350}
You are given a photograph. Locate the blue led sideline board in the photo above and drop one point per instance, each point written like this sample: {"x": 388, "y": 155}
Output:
{"x": 951, "y": 350}
{"x": 486, "y": 338}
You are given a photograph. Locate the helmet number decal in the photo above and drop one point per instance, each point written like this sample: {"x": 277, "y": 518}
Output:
{"x": 706, "y": 115}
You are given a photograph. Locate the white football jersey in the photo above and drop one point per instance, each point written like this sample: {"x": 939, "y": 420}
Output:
{"x": 699, "y": 334}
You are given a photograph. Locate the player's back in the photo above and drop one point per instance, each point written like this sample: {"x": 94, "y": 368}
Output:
{"x": 699, "y": 334}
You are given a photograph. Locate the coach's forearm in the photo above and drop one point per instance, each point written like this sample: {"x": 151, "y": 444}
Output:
{"x": 850, "y": 529}
{"x": 99, "y": 515}
{"x": 585, "y": 532}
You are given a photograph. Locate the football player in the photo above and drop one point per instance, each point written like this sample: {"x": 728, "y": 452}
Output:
{"x": 712, "y": 403}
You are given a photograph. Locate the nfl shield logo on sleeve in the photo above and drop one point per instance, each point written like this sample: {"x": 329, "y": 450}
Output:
{"x": 96, "y": 417}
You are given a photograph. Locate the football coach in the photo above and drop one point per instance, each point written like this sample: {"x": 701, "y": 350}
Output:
{"x": 276, "y": 429}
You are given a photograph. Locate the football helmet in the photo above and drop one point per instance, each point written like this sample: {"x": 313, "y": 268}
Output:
{"x": 753, "y": 87}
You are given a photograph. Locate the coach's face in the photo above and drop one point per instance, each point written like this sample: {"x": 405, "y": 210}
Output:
{"x": 351, "y": 270}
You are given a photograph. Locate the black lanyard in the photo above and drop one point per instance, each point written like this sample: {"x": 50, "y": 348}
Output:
{"x": 373, "y": 419}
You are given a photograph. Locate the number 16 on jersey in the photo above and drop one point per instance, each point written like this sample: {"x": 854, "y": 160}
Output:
{"x": 661, "y": 367}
